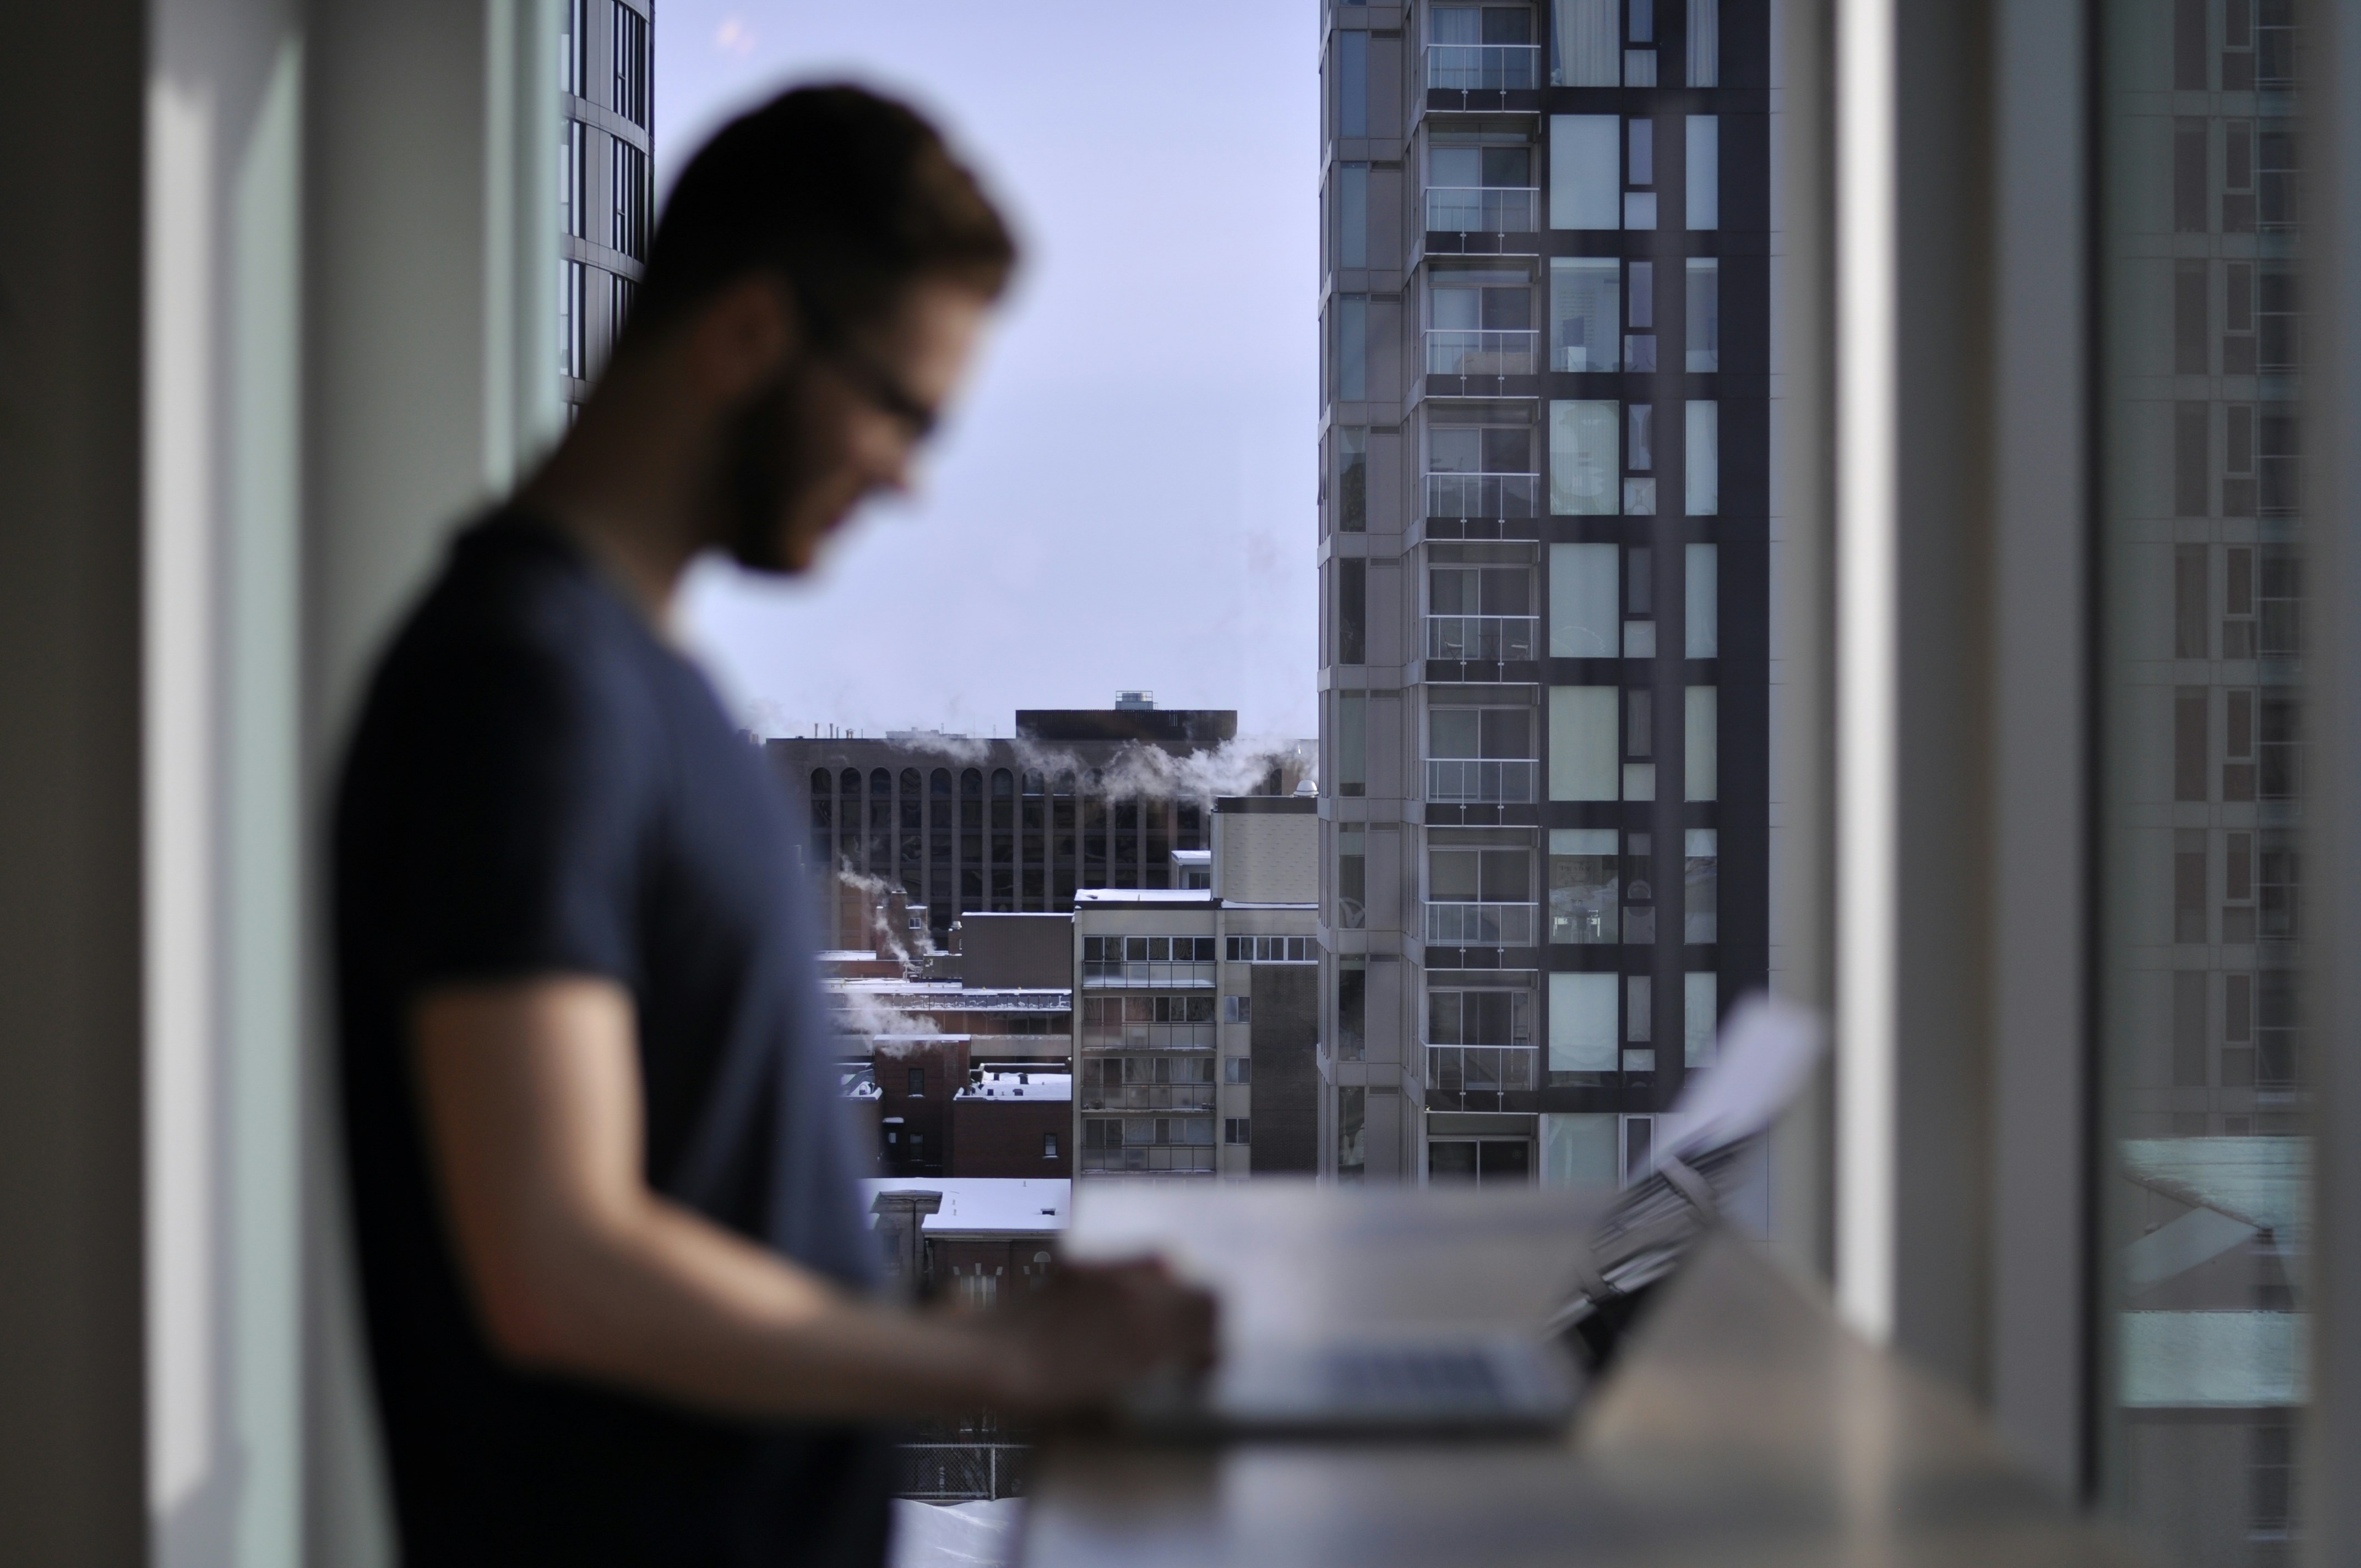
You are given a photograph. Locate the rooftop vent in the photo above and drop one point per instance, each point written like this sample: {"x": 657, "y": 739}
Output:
{"x": 1134, "y": 702}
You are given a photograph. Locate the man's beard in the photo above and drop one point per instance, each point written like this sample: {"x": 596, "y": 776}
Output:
{"x": 764, "y": 465}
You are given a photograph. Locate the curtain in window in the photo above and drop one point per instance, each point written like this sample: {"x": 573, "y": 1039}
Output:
{"x": 1705, "y": 43}
{"x": 1588, "y": 45}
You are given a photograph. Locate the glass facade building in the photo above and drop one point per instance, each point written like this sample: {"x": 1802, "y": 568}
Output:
{"x": 1544, "y": 547}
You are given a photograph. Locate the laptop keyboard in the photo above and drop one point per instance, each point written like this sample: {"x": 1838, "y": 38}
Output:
{"x": 1423, "y": 1377}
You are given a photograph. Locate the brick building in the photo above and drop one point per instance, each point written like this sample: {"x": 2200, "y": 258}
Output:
{"x": 1013, "y": 1121}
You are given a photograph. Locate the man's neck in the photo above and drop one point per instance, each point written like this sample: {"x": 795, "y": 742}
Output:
{"x": 630, "y": 483}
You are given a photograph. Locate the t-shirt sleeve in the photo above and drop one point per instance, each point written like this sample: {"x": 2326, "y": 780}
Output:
{"x": 521, "y": 824}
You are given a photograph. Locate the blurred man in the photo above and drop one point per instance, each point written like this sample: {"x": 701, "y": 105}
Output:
{"x": 612, "y": 1251}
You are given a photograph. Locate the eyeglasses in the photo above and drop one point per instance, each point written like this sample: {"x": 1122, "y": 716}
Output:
{"x": 883, "y": 389}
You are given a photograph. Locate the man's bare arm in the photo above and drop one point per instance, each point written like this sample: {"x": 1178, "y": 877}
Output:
{"x": 531, "y": 1095}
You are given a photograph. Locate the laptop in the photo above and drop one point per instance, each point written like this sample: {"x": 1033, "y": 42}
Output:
{"x": 1425, "y": 1383}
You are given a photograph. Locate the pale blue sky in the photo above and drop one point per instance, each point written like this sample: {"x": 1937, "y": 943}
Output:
{"x": 1125, "y": 498}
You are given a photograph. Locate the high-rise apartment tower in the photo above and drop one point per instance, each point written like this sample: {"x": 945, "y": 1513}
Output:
{"x": 1544, "y": 537}
{"x": 605, "y": 177}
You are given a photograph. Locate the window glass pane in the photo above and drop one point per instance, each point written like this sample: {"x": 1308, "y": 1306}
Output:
{"x": 1584, "y": 901}
{"x": 1586, "y": 155}
{"x": 1353, "y": 84}
{"x": 1703, "y": 630}
{"x": 1352, "y": 743}
{"x": 1583, "y": 761}
{"x": 1705, "y": 43}
{"x": 1353, "y": 480}
{"x": 1578, "y": 1149}
{"x": 1586, "y": 43}
{"x": 1586, "y": 314}
{"x": 1584, "y": 461}
{"x": 1705, "y": 172}
{"x": 1704, "y": 315}
{"x": 1704, "y": 489}
{"x": 1583, "y": 601}
{"x": 1352, "y": 216}
{"x": 1700, "y": 992}
{"x": 1701, "y": 886}
{"x": 1352, "y": 347}
{"x": 1701, "y": 736}
{"x": 1582, "y": 1019}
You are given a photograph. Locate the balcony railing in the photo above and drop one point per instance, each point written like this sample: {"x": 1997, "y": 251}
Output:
{"x": 1456, "y": 352}
{"x": 1480, "y": 925}
{"x": 1145, "y": 1037}
{"x": 1483, "y": 636}
{"x": 1483, "y": 209}
{"x": 1114, "y": 975}
{"x": 1150, "y": 1097}
{"x": 1483, "y": 1069}
{"x": 1484, "y": 68}
{"x": 1464, "y": 781}
{"x": 1483, "y": 495}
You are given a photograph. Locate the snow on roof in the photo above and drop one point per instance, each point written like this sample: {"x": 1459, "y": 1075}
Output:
{"x": 1019, "y": 1083}
{"x": 985, "y": 1205}
{"x": 1194, "y": 857}
{"x": 1189, "y": 895}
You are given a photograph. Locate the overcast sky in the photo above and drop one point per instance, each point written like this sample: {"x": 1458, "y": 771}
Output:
{"x": 1126, "y": 496}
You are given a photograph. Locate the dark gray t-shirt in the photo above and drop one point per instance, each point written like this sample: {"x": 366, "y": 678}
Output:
{"x": 539, "y": 786}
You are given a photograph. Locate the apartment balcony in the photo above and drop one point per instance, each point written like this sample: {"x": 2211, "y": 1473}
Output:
{"x": 1480, "y": 1078}
{"x": 1451, "y": 352}
{"x": 1128, "y": 1037}
{"x": 1481, "y": 925}
{"x": 1494, "y": 210}
{"x": 1134, "y": 974}
{"x": 1148, "y": 1144}
{"x": 1484, "y": 68}
{"x": 1457, "y": 781}
{"x": 1503, "y": 638}
{"x": 1484, "y": 495}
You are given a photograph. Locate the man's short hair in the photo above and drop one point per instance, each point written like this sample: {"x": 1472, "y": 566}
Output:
{"x": 848, "y": 196}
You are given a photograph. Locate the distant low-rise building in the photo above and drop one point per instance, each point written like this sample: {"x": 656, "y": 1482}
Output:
{"x": 970, "y": 1237}
{"x": 1197, "y": 1009}
{"x": 1013, "y": 1121}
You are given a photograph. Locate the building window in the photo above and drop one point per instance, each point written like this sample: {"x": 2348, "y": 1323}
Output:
{"x": 571, "y": 197}
{"x": 1587, "y": 44}
{"x": 1584, "y": 460}
{"x": 1235, "y": 1130}
{"x": 1237, "y": 1070}
{"x": 1703, "y": 458}
{"x": 1583, "y": 1018}
{"x": 1584, "y": 891}
{"x": 2189, "y": 181}
{"x": 1704, "y": 335}
{"x": 1352, "y": 1119}
{"x": 917, "y": 1082}
{"x": 1702, "y": 587}
{"x": 1586, "y": 601}
{"x": 1353, "y": 84}
{"x": 631, "y": 200}
{"x": 571, "y": 355}
{"x": 1351, "y": 611}
{"x": 1352, "y": 876}
{"x": 1585, "y": 759}
{"x": 1352, "y": 216}
{"x": 620, "y": 292}
{"x": 1700, "y": 1013}
{"x": 1352, "y": 1009}
{"x": 1705, "y": 43}
{"x": 1701, "y": 762}
{"x": 1704, "y": 194}
{"x": 572, "y": 39}
{"x": 1479, "y": 1018}
{"x": 1237, "y": 1009}
{"x": 1352, "y": 743}
{"x": 630, "y": 41}
{"x": 1586, "y": 314}
{"x": 1585, "y": 184}
{"x": 1048, "y": 1146}
{"x": 1481, "y": 755}
{"x": 1352, "y": 347}
{"x": 1353, "y": 480}
{"x": 1268, "y": 950}
{"x": 1701, "y": 887}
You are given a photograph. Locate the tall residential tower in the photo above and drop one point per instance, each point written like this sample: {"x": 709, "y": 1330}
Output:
{"x": 1543, "y": 546}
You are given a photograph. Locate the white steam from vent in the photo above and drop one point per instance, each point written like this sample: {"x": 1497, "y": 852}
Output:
{"x": 1138, "y": 769}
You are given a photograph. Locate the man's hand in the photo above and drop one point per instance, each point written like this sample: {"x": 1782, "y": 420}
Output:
{"x": 1096, "y": 1329}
